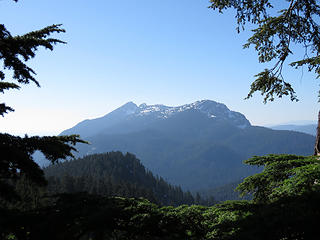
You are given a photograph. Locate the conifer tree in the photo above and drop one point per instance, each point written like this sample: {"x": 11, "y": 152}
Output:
{"x": 16, "y": 152}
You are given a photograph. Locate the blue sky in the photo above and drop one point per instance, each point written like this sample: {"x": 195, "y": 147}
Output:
{"x": 155, "y": 52}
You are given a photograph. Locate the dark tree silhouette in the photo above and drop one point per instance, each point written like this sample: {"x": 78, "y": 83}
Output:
{"x": 16, "y": 152}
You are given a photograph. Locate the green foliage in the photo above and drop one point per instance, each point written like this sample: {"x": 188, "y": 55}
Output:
{"x": 275, "y": 36}
{"x": 291, "y": 218}
{"x": 283, "y": 176}
{"x": 83, "y": 216}
{"x": 284, "y": 205}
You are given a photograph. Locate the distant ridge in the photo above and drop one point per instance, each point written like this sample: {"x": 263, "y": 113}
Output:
{"x": 308, "y": 129}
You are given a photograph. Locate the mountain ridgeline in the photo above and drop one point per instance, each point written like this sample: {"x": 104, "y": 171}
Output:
{"x": 116, "y": 174}
{"x": 198, "y": 146}
{"x": 307, "y": 128}
{"x": 132, "y": 118}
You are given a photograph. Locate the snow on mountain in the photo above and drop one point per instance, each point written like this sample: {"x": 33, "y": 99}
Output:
{"x": 210, "y": 108}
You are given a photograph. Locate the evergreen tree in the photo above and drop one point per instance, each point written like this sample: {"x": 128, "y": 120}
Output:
{"x": 16, "y": 152}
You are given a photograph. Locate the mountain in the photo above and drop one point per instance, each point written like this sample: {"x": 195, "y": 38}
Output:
{"x": 308, "y": 129}
{"x": 198, "y": 145}
{"x": 132, "y": 118}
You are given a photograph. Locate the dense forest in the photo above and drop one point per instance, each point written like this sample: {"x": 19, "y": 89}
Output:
{"x": 288, "y": 211}
{"x": 116, "y": 174}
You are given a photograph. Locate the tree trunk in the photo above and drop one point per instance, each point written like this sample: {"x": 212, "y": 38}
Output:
{"x": 317, "y": 145}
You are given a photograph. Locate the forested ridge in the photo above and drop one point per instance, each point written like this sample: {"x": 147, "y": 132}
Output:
{"x": 116, "y": 174}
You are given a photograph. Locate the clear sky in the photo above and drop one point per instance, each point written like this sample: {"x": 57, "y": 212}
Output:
{"x": 155, "y": 52}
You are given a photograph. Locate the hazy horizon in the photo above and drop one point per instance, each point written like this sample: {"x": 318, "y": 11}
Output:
{"x": 300, "y": 122}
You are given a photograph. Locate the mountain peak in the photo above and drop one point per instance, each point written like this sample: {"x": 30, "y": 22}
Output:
{"x": 129, "y": 105}
{"x": 128, "y": 108}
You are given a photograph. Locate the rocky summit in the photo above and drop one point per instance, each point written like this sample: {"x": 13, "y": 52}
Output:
{"x": 131, "y": 112}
